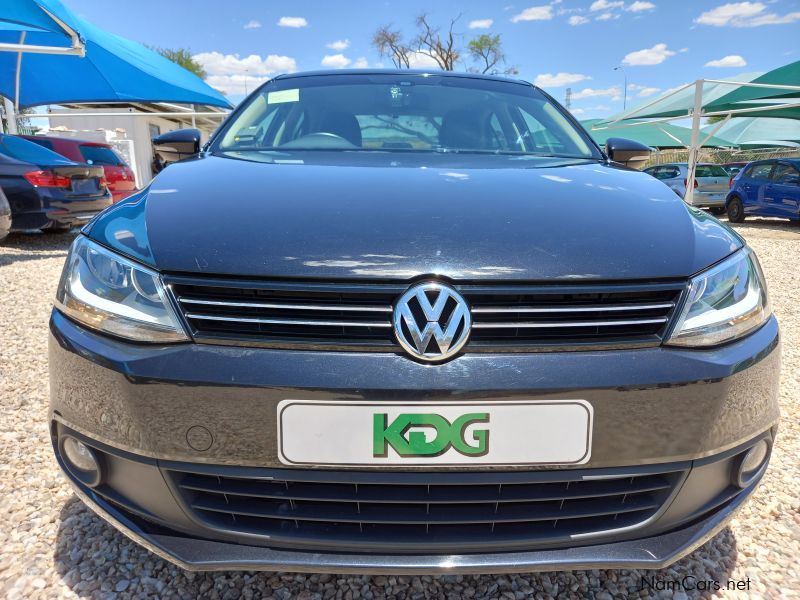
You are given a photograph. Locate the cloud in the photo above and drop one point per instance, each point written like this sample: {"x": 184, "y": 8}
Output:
{"x": 335, "y": 61}
{"x": 613, "y": 92}
{"x": 649, "y": 56}
{"x": 233, "y": 74}
{"x": 361, "y": 63}
{"x": 744, "y": 14}
{"x": 648, "y": 91}
{"x": 732, "y": 60}
{"x": 599, "y": 5}
{"x": 295, "y": 22}
{"x": 640, "y": 6}
{"x": 534, "y": 13}
{"x": 577, "y": 20}
{"x": 577, "y": 111}
{"x": 339, "y": 45}
{"x": 480, "y": 24}
{"x": 606, "y": 17}
{"x": 252, "y": 24}
{"x": 559, "y": 79}
{"x": 417, "y": 60}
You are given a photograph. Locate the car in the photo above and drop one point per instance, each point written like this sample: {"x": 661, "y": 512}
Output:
{"x": 46, "y": 190}
{"x": 5, "y": 216}
{"x": 733, "y": 168}
{"x": 710, "y": 184}
{"x": 766, "y": 188}
{"x": 119, "y": 176}
{"x": 411, "y": 322}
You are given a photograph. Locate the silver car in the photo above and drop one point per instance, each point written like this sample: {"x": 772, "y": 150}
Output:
{"x": 710, "y": 187}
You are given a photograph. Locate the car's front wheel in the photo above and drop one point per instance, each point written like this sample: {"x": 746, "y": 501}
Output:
{"x": 735, "y": 210}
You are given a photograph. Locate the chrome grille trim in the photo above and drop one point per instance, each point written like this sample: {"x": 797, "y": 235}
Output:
{"x": 551, "y": 324}
{"x": 357, "y": 316}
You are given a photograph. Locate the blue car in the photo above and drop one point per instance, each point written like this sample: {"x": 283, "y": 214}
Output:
{"x": 766, "y": 188}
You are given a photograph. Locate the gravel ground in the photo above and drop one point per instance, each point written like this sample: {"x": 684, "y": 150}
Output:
{"x": 52, "y": 546}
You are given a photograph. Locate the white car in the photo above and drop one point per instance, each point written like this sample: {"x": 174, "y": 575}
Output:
{"x": 711, "y": 183}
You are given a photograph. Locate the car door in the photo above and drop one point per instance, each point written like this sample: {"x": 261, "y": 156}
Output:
{"x": 754, "y": 188}
{"x": 782, "y": 193}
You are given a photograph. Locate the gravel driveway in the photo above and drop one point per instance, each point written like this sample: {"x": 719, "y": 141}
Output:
{"x": 51, "y": 546}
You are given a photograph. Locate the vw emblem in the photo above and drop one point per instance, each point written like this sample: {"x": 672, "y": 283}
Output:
{"x": 431, "y": 321}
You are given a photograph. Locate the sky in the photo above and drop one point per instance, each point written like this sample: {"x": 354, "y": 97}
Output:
{"x": 659, "y": 44}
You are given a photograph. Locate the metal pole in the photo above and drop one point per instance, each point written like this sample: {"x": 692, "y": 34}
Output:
{"x": 19, "y": 69}
{"x": 697, "y": 112}
{"x": 11, "y": 115}
{"x": 625, "y": 90}
{"x": 194, "y": 110}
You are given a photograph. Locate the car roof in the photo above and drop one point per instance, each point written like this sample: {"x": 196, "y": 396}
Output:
{"x": 65, "y": 139}
{"x": 413, "y": 72}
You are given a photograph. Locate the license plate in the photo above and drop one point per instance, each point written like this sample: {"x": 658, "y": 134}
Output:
{"x": 84, "y": 186}
{"x": 363, "y": 434}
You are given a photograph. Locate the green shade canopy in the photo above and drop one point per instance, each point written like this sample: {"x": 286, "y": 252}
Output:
{"x": 654, "y": 135}
{"x": 786, "y": 75}
{"x": 759, "y": 131}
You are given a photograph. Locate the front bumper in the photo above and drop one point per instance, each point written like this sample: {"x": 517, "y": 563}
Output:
{"x": 692, "y": 411}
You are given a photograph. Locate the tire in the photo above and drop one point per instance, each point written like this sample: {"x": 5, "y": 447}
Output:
{"x": 735, "y": 210}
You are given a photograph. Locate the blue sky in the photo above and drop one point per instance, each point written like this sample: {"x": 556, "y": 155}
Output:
{"x": 660, "y": 44}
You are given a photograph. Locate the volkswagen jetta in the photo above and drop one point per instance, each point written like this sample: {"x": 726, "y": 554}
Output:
{"x": 411, "y": 322}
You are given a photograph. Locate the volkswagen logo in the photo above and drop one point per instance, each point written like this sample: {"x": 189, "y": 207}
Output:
{"x": 431, "y": 321}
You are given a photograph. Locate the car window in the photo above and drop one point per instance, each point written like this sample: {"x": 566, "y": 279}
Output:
{"x": 785, "y": 173}
{"x": 403, "y": 113}
{"x": 711, "y": 171}
{"x": 26, "y": 151}
{"x": 100, "y": 155}
{"x": 760, "y": 171}
{"x": 42, "y": 142}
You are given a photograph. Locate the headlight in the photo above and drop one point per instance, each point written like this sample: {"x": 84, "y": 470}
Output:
{"x": 109, "y": 293}
{"x": 724, "y": 303}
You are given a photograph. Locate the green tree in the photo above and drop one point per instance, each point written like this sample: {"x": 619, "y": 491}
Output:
{"x": 487, "y": 51}
{"x": 182, "y": 57}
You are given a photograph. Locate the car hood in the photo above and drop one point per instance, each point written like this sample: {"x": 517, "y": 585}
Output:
{"x": 376, "y": 215}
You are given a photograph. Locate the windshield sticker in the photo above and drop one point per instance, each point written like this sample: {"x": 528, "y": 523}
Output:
{"x": 282, "y": 96}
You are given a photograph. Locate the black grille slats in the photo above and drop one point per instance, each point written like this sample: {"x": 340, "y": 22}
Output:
{"x": 528, "y": 511}
{"x": 358, "y": 316}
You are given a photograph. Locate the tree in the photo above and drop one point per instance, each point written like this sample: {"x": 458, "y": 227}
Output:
{"x": 440, "y": 46}
{"x": 487, "y": 50}
{"x": 182, "y": 57}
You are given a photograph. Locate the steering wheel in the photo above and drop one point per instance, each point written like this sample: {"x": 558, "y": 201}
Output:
{"x": 320, "y": 140}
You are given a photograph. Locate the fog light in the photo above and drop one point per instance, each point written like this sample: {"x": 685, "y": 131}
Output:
{"x": 82, "y": 461}
{"x": 750, "y": 463}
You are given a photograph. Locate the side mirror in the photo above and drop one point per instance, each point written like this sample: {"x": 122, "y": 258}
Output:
{"x": 177, "y": 145}
{"x": 628, "y": 152}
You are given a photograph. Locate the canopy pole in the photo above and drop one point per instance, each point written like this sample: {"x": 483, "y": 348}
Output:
{"x": 694, "y": 150}
{"x": 17, "y": 74}
{"x": 11, "y": 116}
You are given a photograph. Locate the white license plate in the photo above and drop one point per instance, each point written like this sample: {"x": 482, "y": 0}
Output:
{"x": 546, "y": 432}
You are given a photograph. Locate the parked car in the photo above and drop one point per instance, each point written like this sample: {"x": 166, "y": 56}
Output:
{"x": 5, "y": 216}
{"x": 766, "y": 188}
{"x": 119, "y": 176}
{"x": 46, "y": 190}
{"x": 710, "y": 185}
{"x": 403, "y": 322}
{"x": 733, "y": 168}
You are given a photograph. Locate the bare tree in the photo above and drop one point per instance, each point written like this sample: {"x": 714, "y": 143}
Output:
{"x": 440, "y": 46}
{"x": 389, "y": 43}
{"x": 430, "y": 42}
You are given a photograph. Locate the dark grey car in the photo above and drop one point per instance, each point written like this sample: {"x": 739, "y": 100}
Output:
{"x": 411, "y": 322}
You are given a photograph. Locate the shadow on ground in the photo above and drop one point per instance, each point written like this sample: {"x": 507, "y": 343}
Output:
{"x": 35, "y": 245}
{"x": 96, "y": 561}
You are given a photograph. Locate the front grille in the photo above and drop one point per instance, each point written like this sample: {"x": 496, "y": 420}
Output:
{"x": 413, "y": 512}
{"x": 358, "y": 316}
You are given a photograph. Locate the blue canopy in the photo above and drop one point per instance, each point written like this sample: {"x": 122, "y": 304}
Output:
{"x": 113, "y": 69}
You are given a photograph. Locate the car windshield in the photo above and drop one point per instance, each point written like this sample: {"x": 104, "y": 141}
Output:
{"x": 100, "y": 155}
{"x": 403, "y": 113}
{"x": 710, "y": 171}
{"x": 26, "y": 151}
